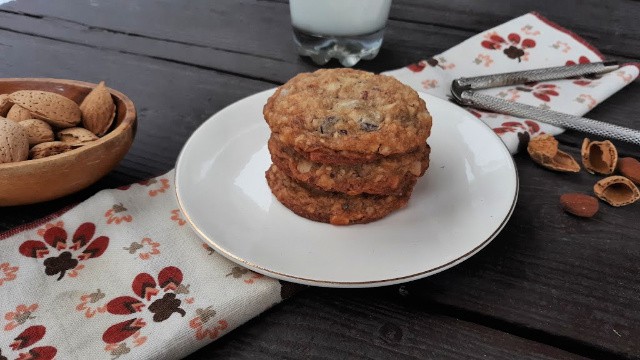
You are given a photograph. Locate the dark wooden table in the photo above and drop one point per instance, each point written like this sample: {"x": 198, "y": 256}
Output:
{"x": 549, "y": 286}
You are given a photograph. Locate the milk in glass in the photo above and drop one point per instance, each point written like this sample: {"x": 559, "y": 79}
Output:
{"x": 348, "y": 30}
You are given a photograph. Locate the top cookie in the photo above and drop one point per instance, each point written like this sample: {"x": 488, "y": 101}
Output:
{"x": 350, "y": 112}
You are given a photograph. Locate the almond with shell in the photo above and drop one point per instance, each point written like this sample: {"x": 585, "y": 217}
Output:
{"x": 47, "y": 149}
{"x": 98, "y": 110}
{"x": 17, "y": 113}
{"x": 14, "y": 144}
{"x": 76, "y": 136}
{"x": 5, "y": 104}
{"x": 55, "y": 109}
{"x": 38, "y": 131}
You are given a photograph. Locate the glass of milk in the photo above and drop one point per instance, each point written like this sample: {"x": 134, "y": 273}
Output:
{"x": 348, "y": 30}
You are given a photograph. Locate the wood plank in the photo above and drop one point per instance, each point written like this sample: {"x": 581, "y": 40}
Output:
{"x": 338, "y": 324}
{"x": 611, "y": 26}
{"x": 241, "y": 26}
{"x": 401, "y": 46}
{"x": 263, "y": 22}
{"x": 568, "y": 277}
{"x": 171, "y": 100}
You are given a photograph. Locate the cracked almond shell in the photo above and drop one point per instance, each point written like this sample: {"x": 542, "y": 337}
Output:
{"x": 543, "y": 149}
{"x": 599, "y": 157}
{"x": 98, "y": 110}
{"x": 55, "y": 109}
{"x": 38, "y": 131}
{"x": 616, "y": 191}
{"x": 76, "y": 136}
{"x": 14, "y": 144}
{"x": 47, "y": 149}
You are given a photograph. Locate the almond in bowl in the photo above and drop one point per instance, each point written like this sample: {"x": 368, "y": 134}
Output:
{"x": 75, "y": 133}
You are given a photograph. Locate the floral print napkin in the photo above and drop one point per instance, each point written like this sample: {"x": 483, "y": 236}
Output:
{"x": 524, "y": 43}
{"x": 122, "y": 276}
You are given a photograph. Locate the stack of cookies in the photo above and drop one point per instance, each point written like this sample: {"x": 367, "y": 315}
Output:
{"x": 347, "y": 146}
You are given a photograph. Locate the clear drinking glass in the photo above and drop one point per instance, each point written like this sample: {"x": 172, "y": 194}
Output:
{"x": 348, "y": 30}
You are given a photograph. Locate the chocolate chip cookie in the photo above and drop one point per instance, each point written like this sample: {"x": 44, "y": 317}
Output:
{"x": 348, "y": 115}
{"x": 387, "y": 176}
{"x": 332, "y": 207}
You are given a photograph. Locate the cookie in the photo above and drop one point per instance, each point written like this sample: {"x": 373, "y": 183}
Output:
{"x": 349, "y": 114}
{"x": 333, "y": 208}
{"x": 386, "y": 176}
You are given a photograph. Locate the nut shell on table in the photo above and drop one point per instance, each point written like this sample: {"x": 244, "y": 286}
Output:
{"x": 14, "y": 143}
{"x": 55, "y": 109}
{"x": 98, "y": 110}
{"x": 616, "y": 190}
{"x": 581, "y": 205}
{"x": 76, "y": 136}
{"x": 17, "y": 113}
{"x": 38, "y": 131}
{"x": 5, "y": 104}
{"x": 48, "y": 149}
{"x": 629, "y": 168}
{"x": 599, "y": 157}
{"x": 543, "y": 149}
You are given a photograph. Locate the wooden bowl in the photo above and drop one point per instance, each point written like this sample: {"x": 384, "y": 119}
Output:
{"x": 33, "y": 181}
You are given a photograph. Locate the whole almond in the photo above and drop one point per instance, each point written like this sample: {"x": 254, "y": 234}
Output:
{"x": 17, "y": 113}
{"x": 579, "y": 204}
{"x": 616, "y": 190}
{"x": 53, "y": 108}
{"x": 47, "y": 149}
{"x": 599, "y": 156}
{"x": 5, "y": 104}
{"x": 76, "y": 136}
{"x": 543, "y": 149}
{"x": 38, "y": 131}
{"x": 14, "y": 144}
{"x": 630, "y": 168}
{"x": 98, "y": 110}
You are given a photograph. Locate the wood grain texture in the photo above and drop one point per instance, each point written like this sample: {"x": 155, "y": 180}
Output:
{"x": 569, "y": 277}
{"x": 206, "y": 47}
{"x": 610, "y": 26}
{"x": 338, "y": 324}
{"x": 551, "y": 278}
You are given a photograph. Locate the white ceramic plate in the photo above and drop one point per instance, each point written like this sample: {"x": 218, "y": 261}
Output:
{"x": 456, "y": 209}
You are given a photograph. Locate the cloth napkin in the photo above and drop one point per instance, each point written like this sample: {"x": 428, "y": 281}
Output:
{"x": 527, "y": 42}
{"x": 122, "y": 275}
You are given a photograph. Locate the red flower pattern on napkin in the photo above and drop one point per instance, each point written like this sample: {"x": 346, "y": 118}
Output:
{"x": 117, "y": 214}
{"x": 21, "y": 315}
{"x": 145, "y": 288}
{"x": 67, "y": 256}
{"x": 29, "y": 337}
{"x": 7, "y": 272}
{"x": 540, "y": 90}
{"x": 515, "y": 47}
